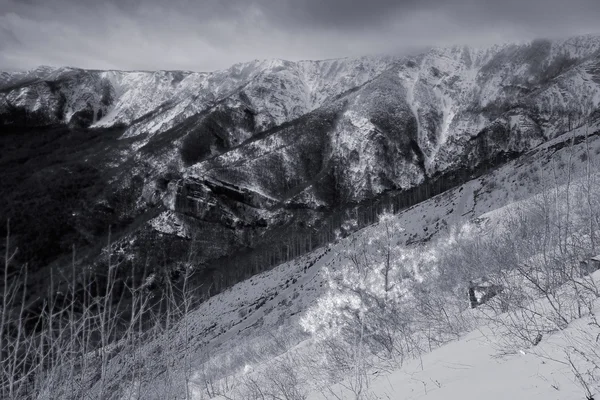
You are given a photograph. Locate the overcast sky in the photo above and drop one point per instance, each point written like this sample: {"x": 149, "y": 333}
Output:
{"x": 204, "y": 35}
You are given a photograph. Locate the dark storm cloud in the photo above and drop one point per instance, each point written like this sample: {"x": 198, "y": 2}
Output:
{"x": 210, "y": 34}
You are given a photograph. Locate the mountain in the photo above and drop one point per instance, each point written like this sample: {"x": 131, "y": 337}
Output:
{"x": 268, "y": 333}
{"x": 247, "y": 159}
{"x": 226, "y": 233}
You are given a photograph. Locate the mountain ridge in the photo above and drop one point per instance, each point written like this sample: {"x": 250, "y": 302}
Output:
{"x": 311, "y": 136}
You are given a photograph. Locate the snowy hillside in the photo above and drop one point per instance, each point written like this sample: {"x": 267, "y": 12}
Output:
{"x": 301, "y": 230}
{"x": 452, "y": 370}
{"x": 250, "y": 326}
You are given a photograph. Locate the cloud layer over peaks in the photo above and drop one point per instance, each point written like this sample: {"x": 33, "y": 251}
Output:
{"x": 213, "y": 34}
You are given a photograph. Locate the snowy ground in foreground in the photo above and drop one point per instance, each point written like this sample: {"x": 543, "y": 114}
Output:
{"x": 472, "y": 368}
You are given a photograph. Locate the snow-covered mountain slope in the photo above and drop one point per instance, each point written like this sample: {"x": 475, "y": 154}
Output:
{"x": 416, "y": 118}
{"x": 250, "y": 161}
{"x": 321, "y": 134}
{"x": 250, "y": 158}
{"x": 234, "y": 332}
{"x": 484, "y": 197}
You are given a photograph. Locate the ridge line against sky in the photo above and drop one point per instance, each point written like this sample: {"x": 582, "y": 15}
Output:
{"x": 212, "y": 35}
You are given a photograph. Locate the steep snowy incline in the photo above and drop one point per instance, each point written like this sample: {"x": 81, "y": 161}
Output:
{"x": 275, "y": 300}
{"x": 529, "y": 92}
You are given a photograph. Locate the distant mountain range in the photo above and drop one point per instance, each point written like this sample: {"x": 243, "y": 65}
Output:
{"x": 270, "y": 144}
